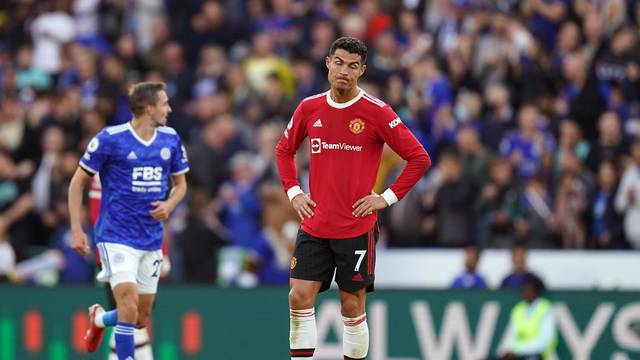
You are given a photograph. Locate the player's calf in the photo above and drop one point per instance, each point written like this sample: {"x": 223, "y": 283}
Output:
{"x": 355, "y": 339}
{"x": 302, "y": 333}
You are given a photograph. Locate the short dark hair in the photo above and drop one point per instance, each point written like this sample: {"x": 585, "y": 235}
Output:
{"x": 351, "y": 45}
{"x": 535, "y": 282}
{"x": 143, "y": 94}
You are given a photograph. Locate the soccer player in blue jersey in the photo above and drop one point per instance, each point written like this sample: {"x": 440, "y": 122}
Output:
{"x": 137, "y": 162}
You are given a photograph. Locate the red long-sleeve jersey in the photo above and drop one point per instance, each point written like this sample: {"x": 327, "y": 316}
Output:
{"x": 346, "y": 148}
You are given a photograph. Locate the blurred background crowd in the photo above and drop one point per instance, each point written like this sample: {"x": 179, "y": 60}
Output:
{"x": 530, "y": 110}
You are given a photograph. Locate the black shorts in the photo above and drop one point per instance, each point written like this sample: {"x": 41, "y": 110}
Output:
{"x": 353, "y": 260}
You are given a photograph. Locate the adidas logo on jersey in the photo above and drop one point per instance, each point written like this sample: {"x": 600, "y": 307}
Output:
{"x": 318, "y": 123}
{"x": 132, "y": 156}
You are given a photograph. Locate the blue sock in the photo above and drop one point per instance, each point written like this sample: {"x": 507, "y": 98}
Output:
{"x": 125, "y": 347}
{"x": 110, "y": 318}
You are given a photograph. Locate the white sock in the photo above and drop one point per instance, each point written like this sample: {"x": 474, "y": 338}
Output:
{"x": 98, "y": 319}
{"x": 355, "y": 339}
{"x": 302, "y": 333}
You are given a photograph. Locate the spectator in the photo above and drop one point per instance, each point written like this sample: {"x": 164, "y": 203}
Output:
{"x": 51, "y": 30}
{"x": 453, "y": 213}
{"x": 519, "y": 273}
{"x": 534, "y": 217}
{"x": 627, "y": 201}
{"x": 475, "y": 159}
{"x": 545, "y": 18}
{"x": 606, "y": 224}
{"x": 470, "y": 279}
{"x": 527, "y": 146}
{"x": 436, "y": 93}
{"x": 570, "y": 204}
{"x": 610, "y": 144}
{"x": 201, "y": 240}
{"x": 7, "y": 258}
{"x": 496, "y": 206}
{"x": 264, "y": 62}
{"x": 500, "y": 115}
{"x": 571, "y": 140}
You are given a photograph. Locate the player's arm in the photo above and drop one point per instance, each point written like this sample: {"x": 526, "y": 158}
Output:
{"x": 90, "y": 164}
{"x": 162, "y": 209}
{"x": 404, "y": 143}
{"x": 286, "y": 148}
{"x": 79, "y": 181}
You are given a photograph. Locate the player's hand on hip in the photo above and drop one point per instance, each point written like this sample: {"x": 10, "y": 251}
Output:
{"x": 161, "y": 211}
{"x": 368, "y": 204}
{"x": 303, "y": 205}
{"x": 80, "y": 243}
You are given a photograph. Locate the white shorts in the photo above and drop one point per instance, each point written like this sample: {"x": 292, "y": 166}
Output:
{"x": 124, "y": 264}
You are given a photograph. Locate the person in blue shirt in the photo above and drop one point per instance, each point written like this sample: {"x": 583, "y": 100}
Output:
{"x": 519, "y": 273}
{"x": 137, "y": 162}
{"x": 470, "y": 279}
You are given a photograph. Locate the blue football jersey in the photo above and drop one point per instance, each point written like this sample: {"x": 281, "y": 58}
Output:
{"x": 133, "y": 173}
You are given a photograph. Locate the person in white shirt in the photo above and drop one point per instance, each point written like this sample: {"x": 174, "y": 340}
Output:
{"x": 50, "y": 31}
{"x": 627, "y": 200}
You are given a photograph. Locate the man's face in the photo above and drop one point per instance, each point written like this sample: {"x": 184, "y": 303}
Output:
{"x": 344, "y": 70}
{"x": 519, "y": 260}
{"x": 161, "y": 109}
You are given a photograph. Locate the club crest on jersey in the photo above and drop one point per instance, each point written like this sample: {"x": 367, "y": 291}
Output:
{"x": 165, "y": 153}
{"x": 356, "y": 126}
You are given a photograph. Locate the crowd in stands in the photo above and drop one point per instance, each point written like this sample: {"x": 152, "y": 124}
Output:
{"x": 530, "y": 110}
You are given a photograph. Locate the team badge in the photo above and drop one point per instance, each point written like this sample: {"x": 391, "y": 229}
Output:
{"x": 356, "y": 126}
{"x": 165, "y": 153}
{"x": 93, "y": 145}
{"x": 294, "y": 262}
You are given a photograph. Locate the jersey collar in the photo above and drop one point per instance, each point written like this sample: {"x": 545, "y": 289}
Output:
{"x": 142, "y": 141}
{"x": 343, "y": 105}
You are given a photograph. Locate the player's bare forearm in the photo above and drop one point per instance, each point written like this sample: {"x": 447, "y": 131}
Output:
{"x": 79, "y": 241}
{"x": 162, "y": 209}
{"x": 76, "y": 189}
{"x": 178, "y": 191}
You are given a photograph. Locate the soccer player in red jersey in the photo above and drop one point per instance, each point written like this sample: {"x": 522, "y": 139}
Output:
{"x": 347, "y": 129}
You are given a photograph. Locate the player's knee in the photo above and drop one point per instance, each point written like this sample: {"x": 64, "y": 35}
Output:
{"x": 300, "y": 299}
{"x": 128, "y": 309}
{"x": 352, "y": 307}
{"x": 129, "y": 312}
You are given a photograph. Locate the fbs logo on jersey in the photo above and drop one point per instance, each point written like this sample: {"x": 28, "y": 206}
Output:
{"x": 147, "y": 173}
{"x": 356, "y": 126}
